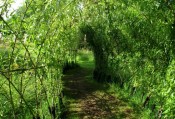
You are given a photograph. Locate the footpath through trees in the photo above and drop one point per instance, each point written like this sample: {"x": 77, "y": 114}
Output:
{"x": 87, "y": 99}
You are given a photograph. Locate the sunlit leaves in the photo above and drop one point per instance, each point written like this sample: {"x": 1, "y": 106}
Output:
{"x": 137, "y": 27}
{"x": 41, "y": 33}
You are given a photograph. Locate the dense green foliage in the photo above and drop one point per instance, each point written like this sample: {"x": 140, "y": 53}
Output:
{"x": 133, "y": 43}
{"x": 36, "y": 44}
{"x": 132, "y": 40}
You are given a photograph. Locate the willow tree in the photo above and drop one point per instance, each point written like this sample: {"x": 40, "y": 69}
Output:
{"x": 37, "y": 40}
{"x": 135, "y": 41}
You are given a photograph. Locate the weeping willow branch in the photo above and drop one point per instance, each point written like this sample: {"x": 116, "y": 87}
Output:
{"x": 22, "y": 70}
{"x": 12, "y": 84}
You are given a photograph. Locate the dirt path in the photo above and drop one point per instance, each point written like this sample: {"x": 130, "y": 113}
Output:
{"x": 86, "y": 99}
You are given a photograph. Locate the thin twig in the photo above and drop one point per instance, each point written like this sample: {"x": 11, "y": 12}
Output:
{"x": 22, "y": 70}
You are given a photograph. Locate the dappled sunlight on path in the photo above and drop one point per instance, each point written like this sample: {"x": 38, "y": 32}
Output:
{"x": 87, "y": 99}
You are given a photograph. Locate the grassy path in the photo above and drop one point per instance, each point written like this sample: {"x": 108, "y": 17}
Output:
{"x": 87, "y": 99}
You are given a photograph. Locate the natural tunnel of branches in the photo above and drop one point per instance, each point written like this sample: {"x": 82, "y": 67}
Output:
{"x": 132, "y": 45}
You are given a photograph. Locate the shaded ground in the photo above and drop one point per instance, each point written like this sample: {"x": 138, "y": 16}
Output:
{"x": 86, "y": 99}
